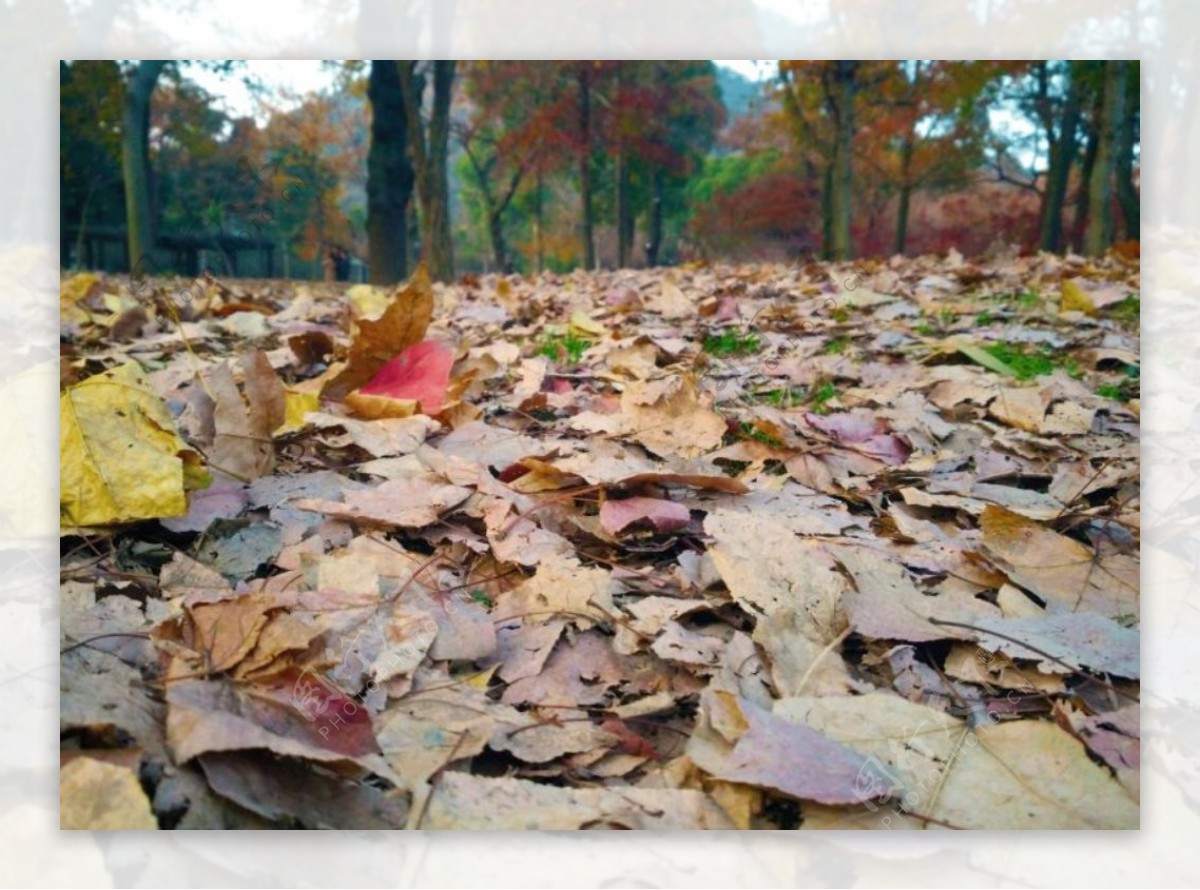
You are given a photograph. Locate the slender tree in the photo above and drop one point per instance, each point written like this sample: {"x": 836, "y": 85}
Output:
{"x": 841, "y": 90}
{"x": 429, "y": 147}
{"x": 1099, "y": 233}
{"x": 583, "y": 75}
{"x": 135, "y": 162}
{"x": 1127, "y": 193}
{"x": 1061, "y": 127}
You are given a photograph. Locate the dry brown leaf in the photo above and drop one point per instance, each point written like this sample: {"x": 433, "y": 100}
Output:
{"x": 1061, "y": 571}
{"x": 401, "y": 325}
{"x": 99, "y": 796}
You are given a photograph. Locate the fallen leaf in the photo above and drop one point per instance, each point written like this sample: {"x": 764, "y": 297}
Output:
{"x": 401, "y": 325}
{"x": 120, "y": 458}
{"x": 98, "y": 796}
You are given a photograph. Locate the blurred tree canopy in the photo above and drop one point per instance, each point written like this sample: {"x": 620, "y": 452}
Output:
{"x": 524, "y": 166}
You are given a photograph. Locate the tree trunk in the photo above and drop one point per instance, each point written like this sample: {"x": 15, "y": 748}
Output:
{"x": 625, "y": 223}
{"x": 906, "y": 155}
{"x": 1062, "y": 155}
{"x": 827, "y": 209}
{"x": 1127, "y": 193}
{"x": 1083, "y": 195}
{"x": 537, "y": 224}
{"x": 429, "y": 147}
{"x": 844, "y": 88}
{"x": 499, "y": 246}
{"x": 585, "y": 165}
{"x": 389, "y": 177}
{"x": 1099, "y": 233}
{"x": 135, "y": 164}
{"x": 654, "y": 244}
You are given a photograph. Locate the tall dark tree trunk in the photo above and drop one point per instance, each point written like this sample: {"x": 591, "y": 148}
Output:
{"x": 429, "y": 147}
{"x": 585, "y": 164}
{"x": 843, "y": 93}
{"x": 1127, "y": 193}
{"x": 1099, "y": 233}
{"x": 389, "y": 176}
{"x": 1082, "y": 197}
{"x": 499, "y": 245}
{"x": 135, "y": 164}
{"x": 654, "y": 244}
{"x": 906, "y": 188}
{"x": 1062, "y": 155}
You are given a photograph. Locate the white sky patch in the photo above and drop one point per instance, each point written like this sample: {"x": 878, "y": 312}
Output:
{"x": 286, "y": 83}
{"x": 752, "y": 69}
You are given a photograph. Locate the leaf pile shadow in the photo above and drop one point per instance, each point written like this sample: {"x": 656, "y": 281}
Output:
{"x": 861, "y": 575}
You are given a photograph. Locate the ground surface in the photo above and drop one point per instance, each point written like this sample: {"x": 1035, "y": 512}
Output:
{"x": 757, "y": 547}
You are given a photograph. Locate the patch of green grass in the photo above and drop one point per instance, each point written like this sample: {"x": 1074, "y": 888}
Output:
{"x": 749, "y": 431}
{"x": 836, "y": 346}
{"x": 924, "y": 329}
{"x": 1029, "y": 363}
{"x": 1128, "y": 311}
{"x": 482, "y": 598}
{"x": 822, "y": 394}
{"x": 1127, "y": 389}
{"x": 790, "y": 397}
{"x": 568, "y": 347}
{"x": 780, "y": 398}
{"x": 1026, "y": 299}
{"x": 983, "y": 319}
{"x": 730, "y": 342}
{"x": 733, "y": 468}
{"x": 946, "y": 318}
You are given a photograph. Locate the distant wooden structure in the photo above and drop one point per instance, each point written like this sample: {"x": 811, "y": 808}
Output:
{"x": 106, "y": 248}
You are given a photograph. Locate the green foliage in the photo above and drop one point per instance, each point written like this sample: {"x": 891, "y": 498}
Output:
{"x": 1128, "y": 311}
{"x": 1027, "y": 363}
{"x": 568, "y": 348}
{"x": 478, "y": 595}
{"x": 836, "y": 346}
{"x": 730, "y": 342}
{"x": 725, "y": 174}
{"x": 822, "y": 394}
{"x": 751, "y": 432}
{"x": 1125, "y": 389}
{"x": 89, "y": 156}
{"x": 781, "y": 398}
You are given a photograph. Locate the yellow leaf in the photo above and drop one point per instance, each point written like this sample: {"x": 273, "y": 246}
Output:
{"x": 75, "y": 288}
{"x": 296, "y": 405}
{"x": 1075, "y": 298}
{"x": 367, "y": 300}
{"x": 481, "y": 679}
{"x": 584, "y": 325}
{"x": 120, "y": 457}
{"x": 72, "y": 292}
{"x": 374, "y": 407}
